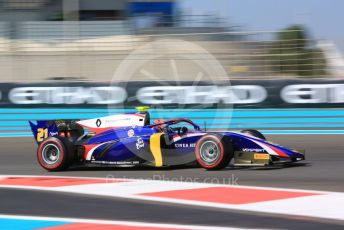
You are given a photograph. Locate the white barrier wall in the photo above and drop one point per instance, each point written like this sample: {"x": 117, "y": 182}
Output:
{"x": 45, "y": 30}
{"x": 4, "y": 33}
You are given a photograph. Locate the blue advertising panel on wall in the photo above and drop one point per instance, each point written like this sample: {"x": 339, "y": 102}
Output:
{"x": 165, "y": 8}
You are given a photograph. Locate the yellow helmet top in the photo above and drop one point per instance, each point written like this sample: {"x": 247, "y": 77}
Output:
{"x": 142, "y": 109}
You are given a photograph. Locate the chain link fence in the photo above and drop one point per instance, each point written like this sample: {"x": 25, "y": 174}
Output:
{"x": 91, "y": 50}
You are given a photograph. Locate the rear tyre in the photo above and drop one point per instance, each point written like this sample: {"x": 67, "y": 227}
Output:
{"x": 55, "y": 154}
{"x": 214, "y": 152}
{"x": 254, "y": 133}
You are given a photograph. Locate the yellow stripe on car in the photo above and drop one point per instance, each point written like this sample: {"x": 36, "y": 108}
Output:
{"x": 156, "y": 148}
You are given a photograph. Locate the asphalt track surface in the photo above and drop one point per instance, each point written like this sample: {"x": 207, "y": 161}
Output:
{"x": 323, "y": 170}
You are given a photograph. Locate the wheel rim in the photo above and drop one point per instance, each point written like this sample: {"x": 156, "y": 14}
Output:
{"x": 50, "y": 154}
{"x": 209, "y": 152}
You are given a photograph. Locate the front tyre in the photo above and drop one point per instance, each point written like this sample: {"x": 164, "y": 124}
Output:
{"x": 54, "y": 154}
{"x": 214, "y": 152}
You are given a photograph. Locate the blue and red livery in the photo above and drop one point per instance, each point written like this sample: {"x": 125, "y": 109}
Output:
{"x": 131, "y": 139}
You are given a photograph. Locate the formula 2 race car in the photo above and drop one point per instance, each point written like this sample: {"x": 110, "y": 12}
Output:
{"x": 130, "y": 139}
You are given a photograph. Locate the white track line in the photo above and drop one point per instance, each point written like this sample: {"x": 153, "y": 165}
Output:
{"x": 321, "y": 205}
{"x": 181, "y": 182}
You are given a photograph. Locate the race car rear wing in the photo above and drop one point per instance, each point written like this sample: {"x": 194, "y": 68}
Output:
{"x": 43, "y": 129}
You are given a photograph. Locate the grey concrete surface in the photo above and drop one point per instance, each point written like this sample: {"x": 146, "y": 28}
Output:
{"x": 322, "y": 170}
